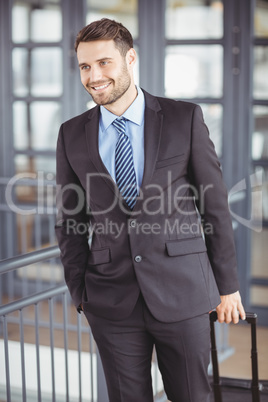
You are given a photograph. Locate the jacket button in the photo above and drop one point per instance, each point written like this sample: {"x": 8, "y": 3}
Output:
{"x": 138, "y": 258}
{"x": 133, "y": 223}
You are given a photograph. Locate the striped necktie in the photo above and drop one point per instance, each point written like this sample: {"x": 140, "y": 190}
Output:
{"x": 124, "y": 165}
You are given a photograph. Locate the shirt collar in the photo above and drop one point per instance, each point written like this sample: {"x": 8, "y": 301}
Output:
{"x": 135, "y": 112}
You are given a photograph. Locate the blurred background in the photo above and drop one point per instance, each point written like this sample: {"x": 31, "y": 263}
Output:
{"x": 211, "y": 52}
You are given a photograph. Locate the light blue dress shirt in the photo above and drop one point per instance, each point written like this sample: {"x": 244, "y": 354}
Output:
{"x": 108, "y": 136}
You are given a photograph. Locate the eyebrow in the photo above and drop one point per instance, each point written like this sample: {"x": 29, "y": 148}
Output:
{"x": 103, "y": 58}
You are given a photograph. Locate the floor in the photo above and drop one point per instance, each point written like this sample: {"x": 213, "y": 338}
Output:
{"x": 239, "y": 364}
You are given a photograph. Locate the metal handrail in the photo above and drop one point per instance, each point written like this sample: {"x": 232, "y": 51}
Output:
{"x": 21, "y": 261}
{"x": 49, "y": 295}
{"x": 10, "y": 264}
{"x": 30, "y": 300}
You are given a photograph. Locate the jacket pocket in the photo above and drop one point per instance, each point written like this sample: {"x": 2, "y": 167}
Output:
{"x": 170, "y": 161}
{"x": 99, "y": 256}
{"x": 192, "y": 245}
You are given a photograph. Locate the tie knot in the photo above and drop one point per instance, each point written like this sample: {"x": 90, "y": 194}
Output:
{"x": 120, "y": 125}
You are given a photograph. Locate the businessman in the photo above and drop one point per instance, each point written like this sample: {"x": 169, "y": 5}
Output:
{"x": 143, "y": 225}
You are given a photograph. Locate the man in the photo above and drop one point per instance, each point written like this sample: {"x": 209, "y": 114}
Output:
{"x": 140, "y": 173}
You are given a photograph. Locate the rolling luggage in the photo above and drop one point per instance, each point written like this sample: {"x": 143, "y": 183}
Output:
{"x": 236, "y": 390}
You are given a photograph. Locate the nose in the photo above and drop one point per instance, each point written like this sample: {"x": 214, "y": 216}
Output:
{"x": 95, "y": 74}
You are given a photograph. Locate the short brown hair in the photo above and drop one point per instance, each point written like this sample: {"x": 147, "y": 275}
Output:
{"x": 106, "y": 29}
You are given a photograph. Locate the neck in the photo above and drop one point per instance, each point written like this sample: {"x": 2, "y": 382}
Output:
{"x": 123, "y": 103}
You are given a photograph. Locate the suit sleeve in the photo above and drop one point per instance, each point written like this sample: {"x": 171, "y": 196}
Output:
{"x": 72, "y": 223}
{"x": 212, "y": 204}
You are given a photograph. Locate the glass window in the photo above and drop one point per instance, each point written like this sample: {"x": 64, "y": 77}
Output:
{"x": 125, "y": 12}
{"x": 45, "y": 123}
{"x": 40, "y": 132}
{"x": 193, "y": 71}
{"x": 260, "y": 196}
{"x": 41, "y": 69}
{"x": 46, "y": 72}
{"x": 260, "y": 90}
{"x": 261, "y": 18}
{"x": 43, "y": 164}
{"x": 259, "y": 295}
{"x": 36, "y": 182}
{"x": 194, "y": 19}
{"x": 259, "y": 255}
{"x": 20, "y": 72}
{"x": 20, "y": 22}
{"x": 20, "y": 126}
{"x": 38, "y": 22}
{"x": 260, "y": 135}
{"x": 213, "y": 119}
{"x": 46, "y": 24}
{"x": 23, "y": 164}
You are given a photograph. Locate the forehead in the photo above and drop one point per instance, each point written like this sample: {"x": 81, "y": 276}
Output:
{"x": 89, "y": 52}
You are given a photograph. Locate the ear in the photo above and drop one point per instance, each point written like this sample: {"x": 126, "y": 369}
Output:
{"x": 131, "y": 57}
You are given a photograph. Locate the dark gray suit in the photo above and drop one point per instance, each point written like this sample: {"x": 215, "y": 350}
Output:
{"x": 160, "y": 252}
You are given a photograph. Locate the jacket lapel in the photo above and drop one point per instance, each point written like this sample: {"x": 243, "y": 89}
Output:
{"x": 153, "y": 121}
{"x": 92, "y": 138}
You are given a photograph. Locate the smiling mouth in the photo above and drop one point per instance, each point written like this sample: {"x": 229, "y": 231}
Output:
{"x": 101, "y": 87}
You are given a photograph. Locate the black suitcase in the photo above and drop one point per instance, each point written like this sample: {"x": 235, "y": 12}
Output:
{"x": 236, "y": 390}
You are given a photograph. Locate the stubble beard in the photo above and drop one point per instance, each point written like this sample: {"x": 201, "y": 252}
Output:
{"x": 123, "y": 84}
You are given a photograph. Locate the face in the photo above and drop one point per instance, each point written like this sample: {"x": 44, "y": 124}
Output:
{"x": 105, "y": 73}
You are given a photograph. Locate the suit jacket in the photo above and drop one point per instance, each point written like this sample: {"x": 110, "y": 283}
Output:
{"x": 158, "y": 248}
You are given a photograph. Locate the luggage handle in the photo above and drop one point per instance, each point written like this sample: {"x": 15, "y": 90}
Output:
{"x": 251, "y": 319}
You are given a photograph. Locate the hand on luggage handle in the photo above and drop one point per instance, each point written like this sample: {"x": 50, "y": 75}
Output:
{"x": 251, "y": 318}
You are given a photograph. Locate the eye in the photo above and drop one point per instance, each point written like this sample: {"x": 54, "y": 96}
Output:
{"x": 103, "y": 63}
{"x": 84, "y": 67}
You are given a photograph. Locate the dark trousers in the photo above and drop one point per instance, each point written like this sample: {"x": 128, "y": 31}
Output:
{"x": 126, "y": 351}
